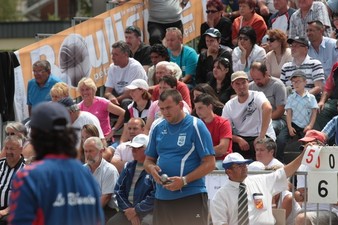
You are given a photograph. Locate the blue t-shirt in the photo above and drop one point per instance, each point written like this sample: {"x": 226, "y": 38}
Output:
{"x": 179, "y": 149}
{"x": 36, "y": 94}
{"x": 56, "y": 190}
{"x": 187, "y": 60}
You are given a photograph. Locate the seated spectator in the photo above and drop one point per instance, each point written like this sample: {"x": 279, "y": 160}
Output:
{"x": 334, "y": 33}
{"x": 321, "y": 48}
{"x": 183, "y": 55}
{"x": 248, "y": 17}
{"x": 206, "y": 59}
{"x": 170, "y": 68}
{"x": 266, "y": 150}
{"x": 59, "y": 91}
{"x": 273, "y": 89}
{"x": 104, "y": 173}
{"x": 215, "y": 20}
{"x": 139, "y": 50}
{"x": 301, "y": 61}
{"x": 309, "y": 11}
{"x": 90, "y": 130}
{"x": 331, "y": 130}
{"x": 100, "y": 107}
{"x": 250, "y": 115}
{"x": 123, "y": 153}
{"x": 221, "y": 79}
{"x": 135, "y": 189}
{"x": 279, "y": 53}
{"x": 121, "y": 73}
{"x": 140, "y": 105}
{"x": 158, "y": 53}
{"x": 38, "y": 88}
{"x": 166, "y": 83}
{"x": 281, "y": 19}
{"x": 18, "y": 129}
{"x": 247, "y": 51}
{"x": 10, "y": 164}
{"x": 206, "y": 88}
{"x": 301, "y": 111}
{"x": 219, "y": 127}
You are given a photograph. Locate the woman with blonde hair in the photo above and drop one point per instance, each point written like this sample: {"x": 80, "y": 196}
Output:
{"x": 279, "y": 52}
{"x": 59, "y": 91}
{"x": 100, "y": 107}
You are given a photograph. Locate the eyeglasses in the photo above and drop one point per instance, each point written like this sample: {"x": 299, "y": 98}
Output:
{"x": 271, "y": 39}
{"x": 211, "y": 11}
{"x": 243, "y": 38}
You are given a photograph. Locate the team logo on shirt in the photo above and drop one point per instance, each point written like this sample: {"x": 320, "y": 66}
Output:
{"x": 181, "y": 140}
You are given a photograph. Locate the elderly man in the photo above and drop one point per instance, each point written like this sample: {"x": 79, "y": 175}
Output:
{"x": 39, "y": 87}
{"x": 184, "y": 56}
{"x": 122, "y": 73}
{"x": 273, "y": 89}
{"x": 135, "y": 189}
{"x": 104, "y": 173}
{"x": 139, "y": 50}
{"x": 255, "y": 193}
{"x": 309, "y": 10}
{"x": 321, "y": 48}
{"x": 8, "y": 167}
{"x": 180, "y": 153}
{"x": 252, "y": 117}
{"x": 301, "y": 61}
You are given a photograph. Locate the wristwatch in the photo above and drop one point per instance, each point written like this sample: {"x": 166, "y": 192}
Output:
{"x": 185, "y": 183}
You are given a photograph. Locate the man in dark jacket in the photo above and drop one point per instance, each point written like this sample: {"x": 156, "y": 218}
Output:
{"x": 135, "y": 189}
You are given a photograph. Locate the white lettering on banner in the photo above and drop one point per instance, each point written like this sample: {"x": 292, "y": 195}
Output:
{"x": 108, "y": 23}
{"x": 97, "y": 58}
{"x": 74, "y": 199}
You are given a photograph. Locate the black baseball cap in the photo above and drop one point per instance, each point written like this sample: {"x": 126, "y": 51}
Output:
{"x": 213, "y": 32}
{"x": 298, "y": 39}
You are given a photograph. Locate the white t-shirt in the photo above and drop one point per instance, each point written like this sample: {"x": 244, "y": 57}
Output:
{"x": 247, "y": 120}
{"x": 123, "y": 152}
{"x": 118, "y": 78}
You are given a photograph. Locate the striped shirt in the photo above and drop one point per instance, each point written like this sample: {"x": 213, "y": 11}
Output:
{"x": 311, "y": 67}
{"x": 6, "y": 175}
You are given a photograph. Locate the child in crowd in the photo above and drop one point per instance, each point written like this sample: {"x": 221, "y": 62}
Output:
{"x": 301, "y": 111}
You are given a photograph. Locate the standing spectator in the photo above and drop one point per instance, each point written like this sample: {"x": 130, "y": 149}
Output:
{"x": 47, "y": 191}
{"x": 279, "y": 53}
{"x": 206, "y": 58}
{"x": 39, "y": 87}
{"x": 254, "y": 193}
{"x": 301, "y": 61}
{"x": 248, "y": 17}
{"x": 301, "y": 111}
{"x": 9, "y": 165}
{"x": 59, "y": 91}
{"x": 221, "y": 79}
{"x": 162, "y": 15}
{"x": 100, "y": 107}
{"x": 329, "y": 99}
{"x": 281, "y": 19}
{"x": 252, "y": 120}
{"x": 139, "y": 50}
{"x": 274, "y": 91}
{"x": 321, "y": 48}
{"x": 121, "y": 73}
{"x": 135, "y": 189}
{"x": 158, "y": 53}
{"x": 181, "y": 147}
{"x": 215, "y": 20}
{"x": 184, "y": 56}
{"x": 231, "y": 9}
{"x": 247, "y": 51}
{"x": 308, "y": 10}
{"x": 105, "y": 174}
{"x": 219, "y": 127}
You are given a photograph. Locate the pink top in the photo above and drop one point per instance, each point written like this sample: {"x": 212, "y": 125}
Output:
{"x": 99, "y": 108}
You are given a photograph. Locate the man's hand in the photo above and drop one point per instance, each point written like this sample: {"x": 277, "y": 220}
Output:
{"x": 176, "y": 183}
{"x": 154, "y": 170}
{"x": 243, "y": 144}
{"x": 292, "y": 131}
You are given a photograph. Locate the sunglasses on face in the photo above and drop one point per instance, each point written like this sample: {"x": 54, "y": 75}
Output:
{"x": 271, "y": 39}
{"x": 10, "y": 134}
{"x": 211, "y": 11}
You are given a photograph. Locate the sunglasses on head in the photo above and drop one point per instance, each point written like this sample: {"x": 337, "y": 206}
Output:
{"x": 271, "y": 39}
{"x": 211, "y": 11}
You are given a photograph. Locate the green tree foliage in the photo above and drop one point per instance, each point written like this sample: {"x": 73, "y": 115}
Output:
{"x": 8, "y": 11}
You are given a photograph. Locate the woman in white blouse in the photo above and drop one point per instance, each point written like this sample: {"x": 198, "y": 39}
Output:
{"x": 247, "y": 51}
{"x": 279, "y": 52}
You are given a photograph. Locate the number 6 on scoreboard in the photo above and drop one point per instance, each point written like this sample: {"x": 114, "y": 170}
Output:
{"x": 322, "y": 187}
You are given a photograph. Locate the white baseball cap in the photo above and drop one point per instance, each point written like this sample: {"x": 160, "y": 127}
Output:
{"x": 139, "y": 141}
{"x": 234, "y": 158}
{"x": 138, "y": 83}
